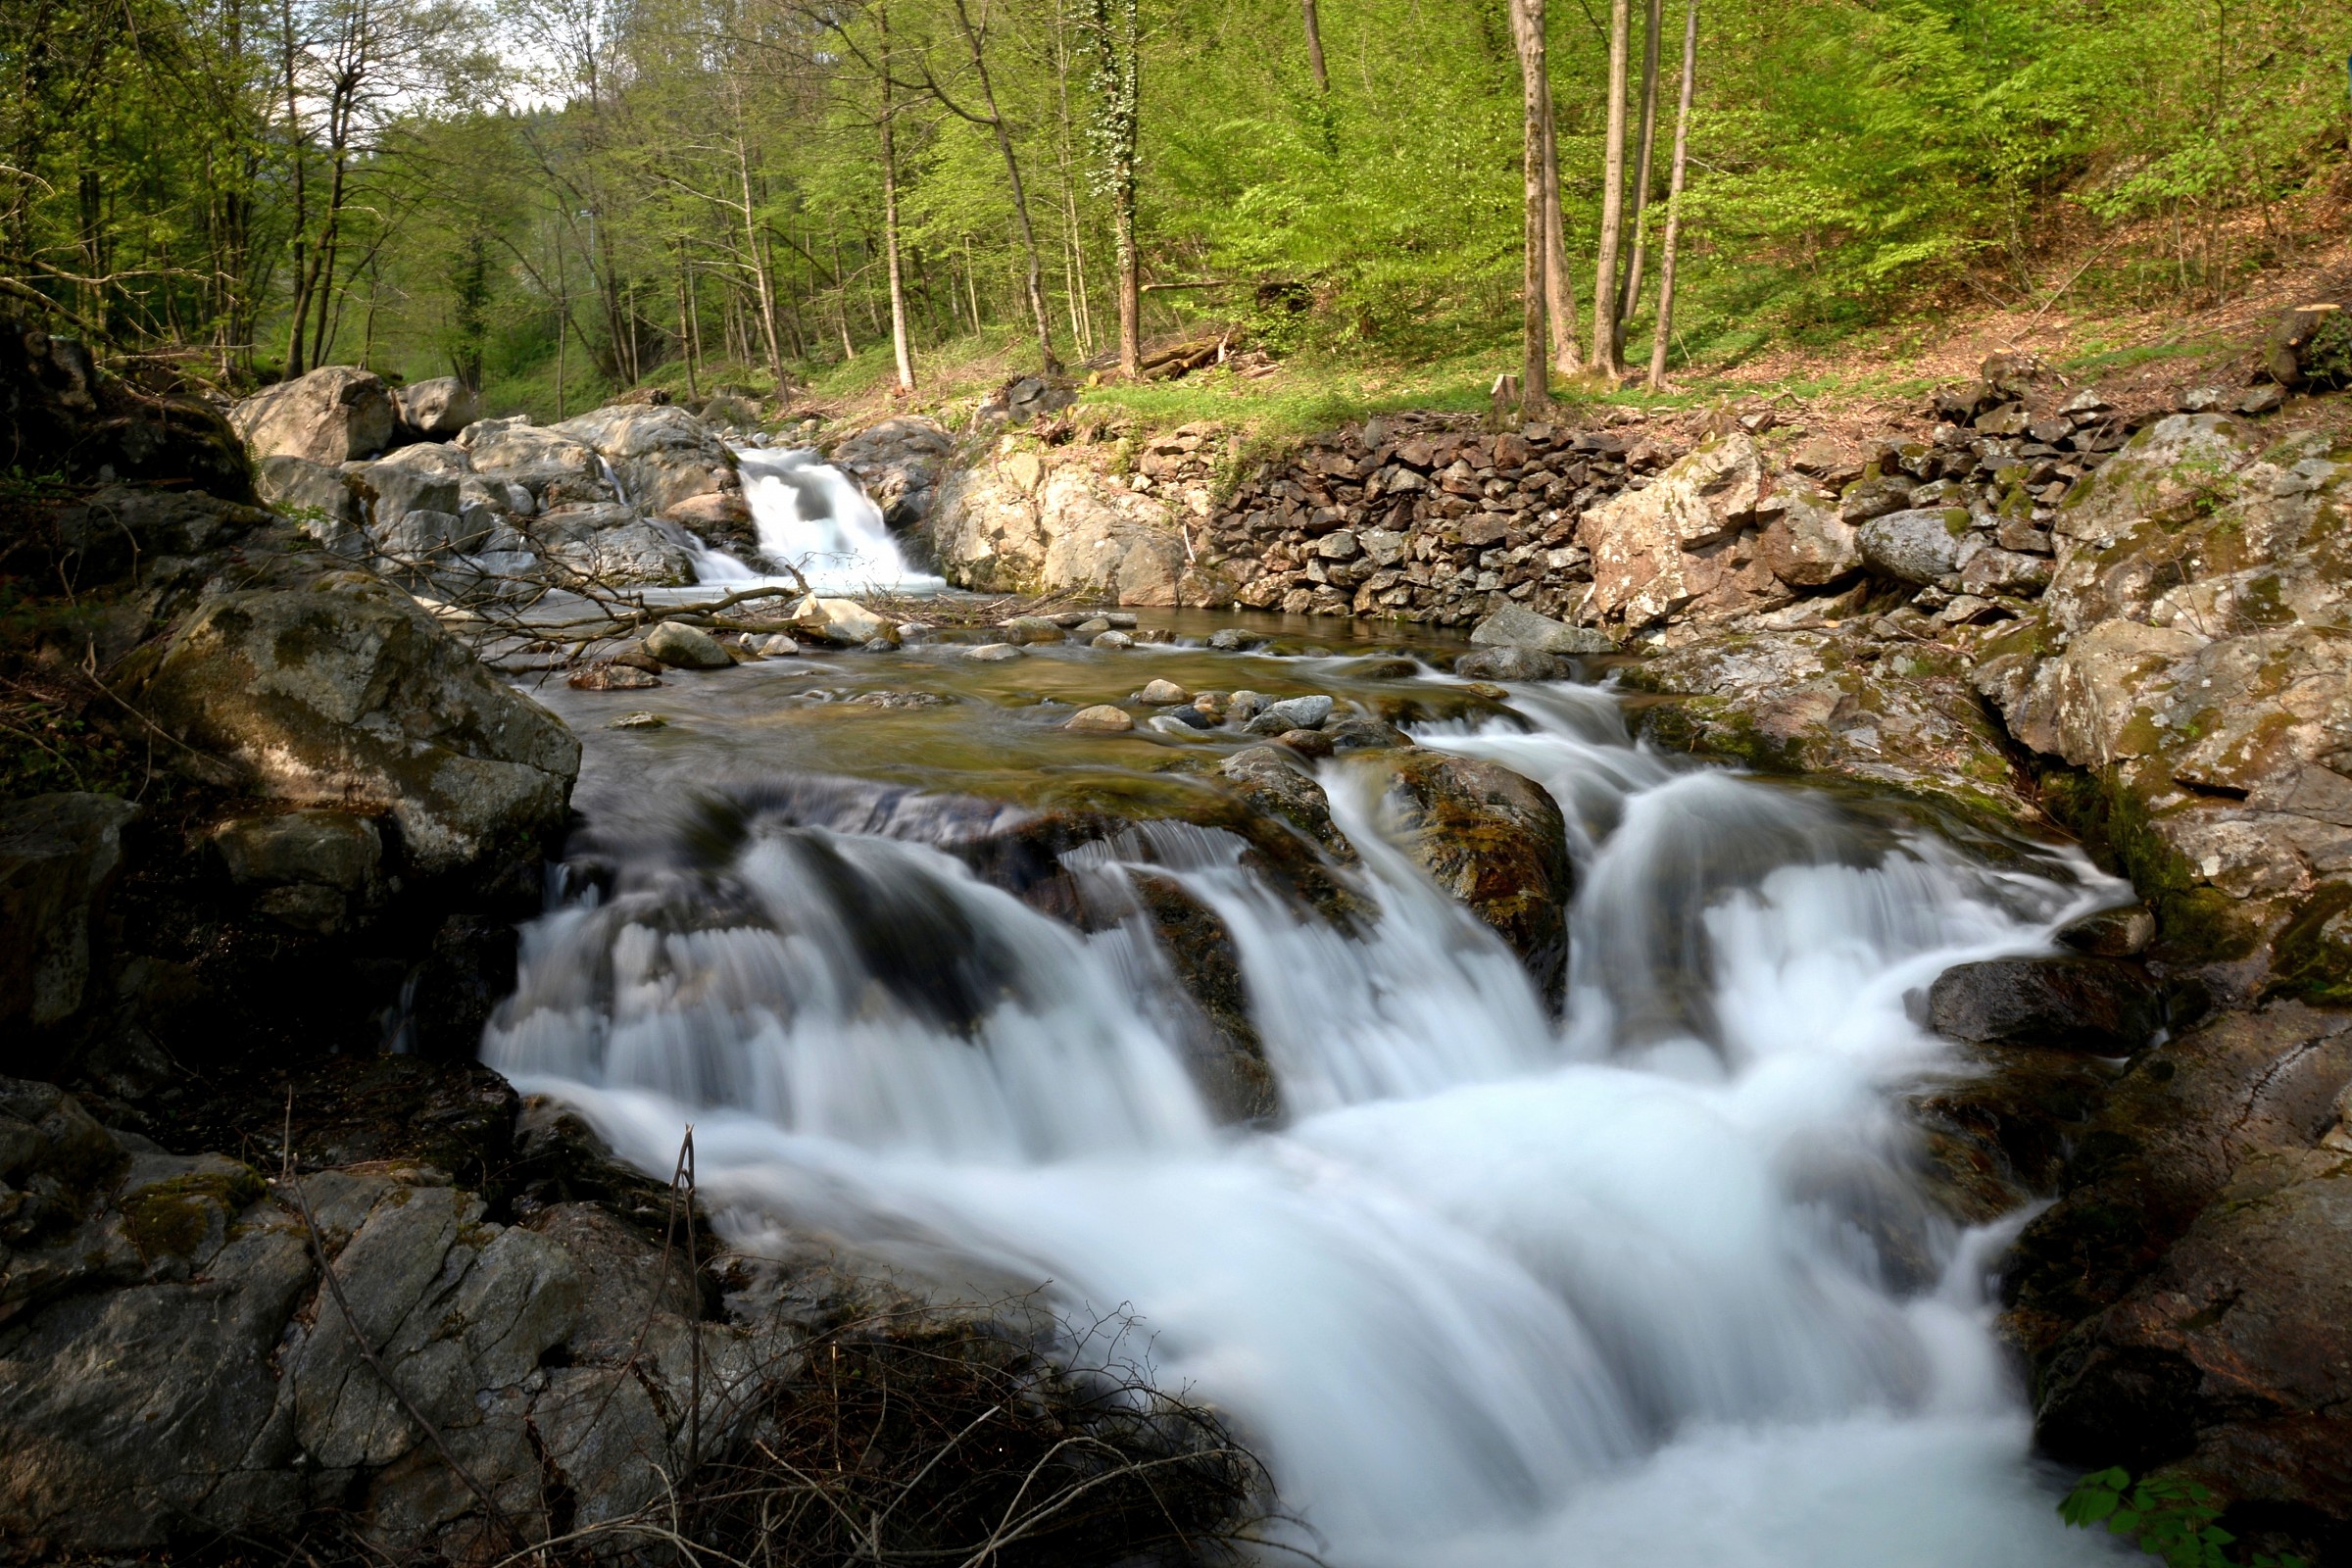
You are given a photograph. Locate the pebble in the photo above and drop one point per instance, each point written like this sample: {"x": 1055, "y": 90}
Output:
{"x": 1101, "y": 720}
{"x": 1161, "y": 693}
{"x": 992, "y": 653}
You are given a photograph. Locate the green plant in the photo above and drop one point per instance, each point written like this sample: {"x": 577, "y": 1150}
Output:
{"x": 2164, "y": 1517}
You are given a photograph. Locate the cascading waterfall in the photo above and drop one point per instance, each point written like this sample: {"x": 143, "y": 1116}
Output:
{"x": 815, "y": 517}
{"x": 1613, "y": 1289}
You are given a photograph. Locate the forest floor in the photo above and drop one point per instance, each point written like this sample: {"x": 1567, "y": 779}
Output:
{"x": 2136, "y": 352}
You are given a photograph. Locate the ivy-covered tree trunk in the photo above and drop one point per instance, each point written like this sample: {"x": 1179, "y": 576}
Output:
{"x": 1116, "y": 45}
{"x": 1527, "y": 26}
{"x": 901, "y": 348}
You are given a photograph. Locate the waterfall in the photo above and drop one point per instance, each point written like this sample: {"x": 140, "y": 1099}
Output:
{"x": 1501, "y": 1289}
{"x": 814, "y": 517}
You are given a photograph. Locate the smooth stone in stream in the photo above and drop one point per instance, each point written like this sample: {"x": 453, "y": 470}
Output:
{"x": 1114, "y": 641}
{"x": 610, "y": 677}
{"x": 1189, "y": 716}
{"x": 992, "y": 653}
{"x": 1161, "y": 693}
{"x": 1167, "y": 724}
{"x": 1030, "y": 629}
{"x": 1291, "y": 712}
{"x": 2122, "y": 933}
{"x": 1305, "y": 742}
{"x": 780, "y": 647}
{"x": 1245, "y": 706}
{"x": 2107, "y": 1007}
{"x": 1091, "y": 628}
{"x": 843, "y": 621}
{"x": 1101, "y": 720}
{"x": 1234, "y": 640}
{"x": 1509, "y": 664}
{"x": 684, "y": 647}
{"x": 638, "y": 720}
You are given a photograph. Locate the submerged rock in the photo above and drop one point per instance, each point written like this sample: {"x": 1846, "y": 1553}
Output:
{"x": 2106, "y": 1007}
{"x": 1494, "y": 842}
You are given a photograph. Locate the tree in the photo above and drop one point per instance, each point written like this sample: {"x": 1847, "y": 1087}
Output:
{"x": 1646, "y": 142}
{"x": 1535, "y": 86}
{"x": 1117, "y": 44}
{"x": 901, "y": 348}
{"x": 1674, "y": 199}
{"x": 1605, "y": 358}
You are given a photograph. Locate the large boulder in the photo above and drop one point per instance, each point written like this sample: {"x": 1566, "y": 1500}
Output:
{"x": 1517, "y": 626}
{"x": 2183, "y": 1304}
{"x": 1494, "y": 841}
{"x": 1682, "y": 546}
{"x": 333, "y": 414}
{"x": 347, "y": 693}
{"x": 1919, "y": 545}
{"x": 1030, "y": 522}
{"x": 438, "y": 409}
{"x": 661, "y": 455}
{"x": 551, "y": 469}
{"x": 2191, "y": 651}
{"x": 57, "y": 856}
{"x": 2107, "y": 1007}
{"x": 1810, "y": 546}
{"x": 325, "y": 502}
{"x": 899, "y": 461}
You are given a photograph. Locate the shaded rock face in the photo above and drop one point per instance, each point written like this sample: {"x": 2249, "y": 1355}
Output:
{"x": 2183, "y": 1303}
{"x": 899, "y": 463}
{"x": 2191, "y": 647}
{"x": 60, "y": 414}
{"x": 1493, "y": 840}
{"x": 332, "y": 415}
{"x": 2102, "y": 1005}
{"x": 346, "y": 692}
{"x": 1021, "y": 524}
{"x": 184, "y": 1372}
{"x": 57, "y": 856}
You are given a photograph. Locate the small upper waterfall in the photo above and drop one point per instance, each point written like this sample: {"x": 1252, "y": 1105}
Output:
{"x": 814, "y": 516}
{"x": 1501, "y": 1291}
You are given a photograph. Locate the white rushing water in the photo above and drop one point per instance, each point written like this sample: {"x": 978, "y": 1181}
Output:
{"x": 1502, "y": 1291}
{"x": 814, "y": 517}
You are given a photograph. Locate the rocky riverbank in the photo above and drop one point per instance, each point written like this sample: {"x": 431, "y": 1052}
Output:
{"x": 444, "y": 1323}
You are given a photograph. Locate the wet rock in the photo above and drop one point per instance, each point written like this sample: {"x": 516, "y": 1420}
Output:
{"x": 1509, "y": 664}
{"x": 1291, "y": 712}
{"x": 682, "y": 647}
{"x": 843, "y": 622}
{"x": 1112, "y": 641}
{"x": 1028, "y": 629}
{"x": 1493, "y": 840}
{"x": 1924, "y": 545}
{"x": 1101, "y": 720}
{"x": 2102, "y": 1005}
{"x": 1999, "y": 1124}
{"x": 2119, "y": 933}
{"x": 1231, "y": 1065}
{"x": 1309, "y": 743}
{"x": 347, "y": 693}
{"x": 331, "y": 415}
{"x": 1161, "y": 693}
{"x": 610, "y": 677}
{"x": 59, "y": 855}
{"x": 1235, "y": 639}
{"x": 1516, "y": 627}
{"x": 436, "y": 410}
{"x": 1273, "y": 782}
{"x": 992, "y": 653}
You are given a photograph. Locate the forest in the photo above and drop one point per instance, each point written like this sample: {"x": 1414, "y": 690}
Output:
{"x": 554, "y": 199}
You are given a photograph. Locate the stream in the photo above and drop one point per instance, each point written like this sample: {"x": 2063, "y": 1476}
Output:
{"x": 1497, "y": 1286}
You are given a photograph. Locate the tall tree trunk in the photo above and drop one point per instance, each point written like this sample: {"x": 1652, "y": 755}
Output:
{"x": 764, "y": 268}
{"x": 1653, "y": 23}
{"x": 294, "y": 134}
{"x": 1314, "y": 46}
{"x": 1674, "y": 201}
{"x": 1535, "y": 358}
{"x": 1034, "y": 280}
{"x": 1613, "y": 203}
{"x": 899, "y": 347}
{"x": 1559, "y": 304}
{"x": 1118, "y": 84}
{"x": 685, "y": 326}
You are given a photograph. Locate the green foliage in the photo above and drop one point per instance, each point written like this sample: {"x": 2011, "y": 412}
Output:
{"x": 2167, "y": 1518}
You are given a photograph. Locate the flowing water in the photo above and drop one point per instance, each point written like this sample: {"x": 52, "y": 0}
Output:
{"x": 814, "y": 517}
{"x": 1650, "y": 1282}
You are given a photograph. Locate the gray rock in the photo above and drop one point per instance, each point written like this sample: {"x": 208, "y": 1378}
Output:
{"x": 1027, "y": 629}
{"x": 1509, "y": 664}
{"x": 57, "y": 856}
{"x": 1515, "y": 627}
{"x": 2119, "y": 933}
{"x": 2005, "y": 571}
{"x": 321, "y": 500}
{"x": 1113, "y": 641}
{"x": 1161, "y": 693}
{"x": 331, "y": 849}
{"x": 331, "y": 415}
{"x": 1295, "y": 713}
{"x": 992, "y": 653}
{"x": 1810, "y": 547}
{"x": 347, "y": 693}
{"x": 1875, "y": 497}
{"x": 1234, "y": 640}
{"x": 439, "y": 407}
{"x": 684, "y": 647}
{"x": 2102, "y": 1005}
{"x": 1920, "y": 546}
